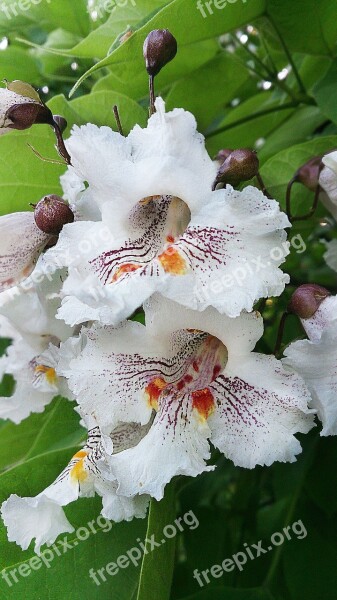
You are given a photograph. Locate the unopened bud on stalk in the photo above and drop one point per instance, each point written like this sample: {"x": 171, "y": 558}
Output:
{"x": 240, "y": 165}
{"x": 223, "y": 154}
{"x": 21, "y": 107}
{"x": 308, "y": 174}
{"x": 160, "y": 47}
{"x": 306, "y": 300}
{"x": 52, "y": 213}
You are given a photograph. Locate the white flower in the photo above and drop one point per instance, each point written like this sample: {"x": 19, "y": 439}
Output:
{"x": 316, "y": 361}
{"x": 161, "y": 227}
{"x": 42, "y": 518}
{"x": 21, "y": 243}
{"x": 330, "y": 256}
{"x": 28, "y": 318}
{"x": 328, "y": 182}
{"x": 189, "y": 377}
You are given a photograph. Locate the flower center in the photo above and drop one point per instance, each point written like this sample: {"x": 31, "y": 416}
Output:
{"x": 203, "y": 358}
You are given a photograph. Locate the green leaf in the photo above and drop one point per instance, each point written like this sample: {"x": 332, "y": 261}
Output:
{"x": 49, "y": 14}
{"x": 127, "y": 59}
{"x": 56, "y": 428}
{"x": 248, "y": 122}
{"x": 121, "y": 18}
{"x": 325, "y": 92}
{"x": 18, "y": 64}
{"x": 227, "y": 593}
{"x": 206, "y": 91}
{"x": 309, "y": 27}
{"x": 157, "y": 566}
{"x": 190, "y": 58}
{"x": 97, "y": 108}
{"x": 279, "y": 169}
{"x": 24, "y": 178}
{"x": 297, "y": 128}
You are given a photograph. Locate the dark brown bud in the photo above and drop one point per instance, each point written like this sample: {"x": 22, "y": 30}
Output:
{"x": 160, "y": 47}
{"x": 240, "y": 165}
{"x": 308, "y": 174}
{"x": 223, "y": 154}
{"x": 61, "y": 122}
{"x": 307, "y": 299}
{"x": 51, "y": 213}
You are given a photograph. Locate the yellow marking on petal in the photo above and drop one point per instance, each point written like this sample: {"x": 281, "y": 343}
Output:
{"x": 172, "y": 262}
{"x": 153, "y": 391}
{"x": 78, "y": 471}
{"x": 148, "y": 199}
{"x": 127, "y": 268}
{"x": 49, "y": 372}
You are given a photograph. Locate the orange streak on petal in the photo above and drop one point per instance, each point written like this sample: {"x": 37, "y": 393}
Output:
{"x": 153, "y": 391}
{"x": 172, "y": 262}
{"x": 49, "y": 372}
{"x": 127, "y": 268}
{"x": 203, "y": 402}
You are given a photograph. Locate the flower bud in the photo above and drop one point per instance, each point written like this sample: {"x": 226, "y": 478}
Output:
{"x": 160, "y": 47}
{"x": 223, "y": 154}
{"x": 306, "y": 300}
{"x": 51, "y": 213}
{"x": 308, "y": 174}
{"x": 21, "y": 107}
{"x": 240, "y": 165}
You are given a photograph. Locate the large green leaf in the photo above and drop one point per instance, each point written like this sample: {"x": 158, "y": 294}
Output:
{"x": 325, "y": 92}
{"x": 97, "y": 108}
{"x": 127, "y": 59}
{"x": 121, "y": 19}
{"x": 279, "y": 169}
{"x": 247, "y": 123}
{"x": 24, "y": 178}
{"x": 16, "y": 63}
{"x": 72, "y": 16}
{"x": 206, "y": 91}
{"x": 309, "y": 26}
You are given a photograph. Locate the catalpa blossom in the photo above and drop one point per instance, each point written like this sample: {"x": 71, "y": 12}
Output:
{"x": 328, "y": 182}
{"x": 21, "y": 243}
{"x": 28, "y": 319}
{"x": 191, "y": 378}
{"x": 42, "y": 517}
{"x": 315, "y": 359}
{"x": 170, "y": 233}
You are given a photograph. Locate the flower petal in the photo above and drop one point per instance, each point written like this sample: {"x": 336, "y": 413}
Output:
{"x": 21, "y": 242}
{"x": 176, "y": 444}
{"x": 316, "y": 362}
{"x": 260, "y": 408}
{"x": 29, "y": 518}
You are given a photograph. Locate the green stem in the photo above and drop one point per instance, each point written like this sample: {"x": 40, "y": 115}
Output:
{"x": 287, "y": 53}
{"x": 256, "y": 115}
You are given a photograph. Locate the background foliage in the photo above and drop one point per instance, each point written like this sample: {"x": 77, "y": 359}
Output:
{"x": 259, "y": 74}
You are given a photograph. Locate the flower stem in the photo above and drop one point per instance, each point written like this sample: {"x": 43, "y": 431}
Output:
{"x": 288, "y": 55}
{"x": 118, "y": 120}
{"x": 280, "y": 334}
{"x": 152, "y": 95}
